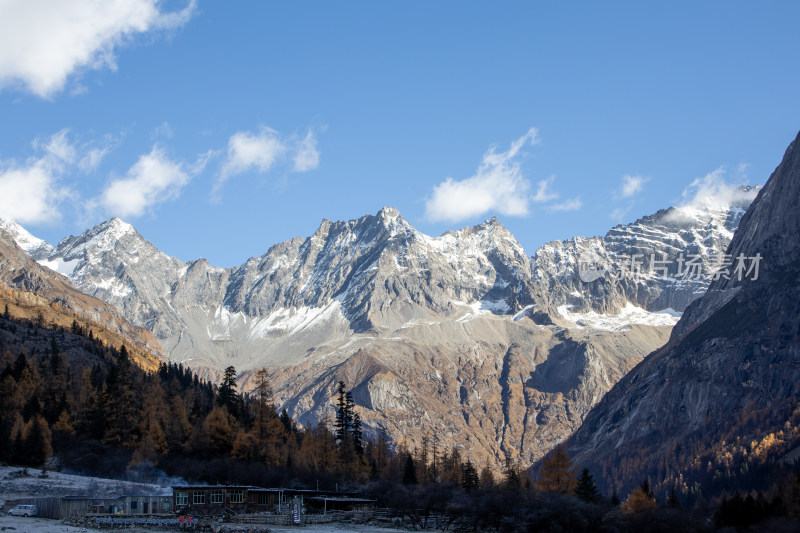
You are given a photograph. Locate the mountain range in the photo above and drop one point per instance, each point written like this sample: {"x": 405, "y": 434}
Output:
{"x": 462, "y": 339}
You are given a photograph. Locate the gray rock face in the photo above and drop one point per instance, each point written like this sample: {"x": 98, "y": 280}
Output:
{"x": 730, "y": 375}
{"x": 461, "y": 336}
{"x": 662, "y": 261}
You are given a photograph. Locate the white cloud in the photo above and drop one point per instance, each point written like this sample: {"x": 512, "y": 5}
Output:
{"x": 30, "y": 195}
{"x": 543, "y": 191}
{"x": 151, "y": 180}
{"x": 713, "y": 191}
{"x": 263, "y": 151}
{"x": 572, "y": 204}
{"x": 248, "y": 151}
{"x": 43, "y": 42}
{"x": 30, "y": 192}
{"x": 631, "y": 186}
{"x": 498, "y": 185}
{"x": 307, "y": 155}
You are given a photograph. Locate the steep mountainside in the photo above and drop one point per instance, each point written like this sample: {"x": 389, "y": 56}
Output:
{"x": 459, "y": 336}
{"x": 725, "y": 391}
{"x": 30, "y": 290}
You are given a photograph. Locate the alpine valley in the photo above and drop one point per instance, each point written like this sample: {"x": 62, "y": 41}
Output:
{"x": 461, "y": 338}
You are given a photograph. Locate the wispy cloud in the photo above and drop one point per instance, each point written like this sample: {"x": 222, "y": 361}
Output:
{"x": 498, "y": 185}
{"x": 544, "y": 192}
{"x": 44, "y": 42}
{"x": 262, "y": 151}
{"x": 631, "y": 186}
{"x": 307, "y": 155}
{"x": 153, "y": 179}
{"x": 31, "y": 192}
{"x": 571, "y": 204}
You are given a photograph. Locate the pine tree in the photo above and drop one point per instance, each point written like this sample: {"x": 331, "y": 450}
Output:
{"x": 342, "y": 424}
{"x": 487, "y": 477}
{"x": 226, "y": 395}
{"x": 358, "y": 440}
{"x": 469, "y": 476}
{"x": 409, "y": 471}
{"x": 511, "y": 474}
{"x": 585, "y": 488}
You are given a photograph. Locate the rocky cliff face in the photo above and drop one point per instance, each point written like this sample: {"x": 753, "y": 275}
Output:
{"x": 461, "y": 336}
{"x": 726, "y": 386}
{"x": 661, "y": 261}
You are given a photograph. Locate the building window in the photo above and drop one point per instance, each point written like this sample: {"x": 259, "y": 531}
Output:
{"x": 216, "y": 496}
{"x": 237, "y": 496}
{"x": 182, "y": 498}
{"x": 199, "y": 498}
{"x": 264, "y": 498}
{"x": 134, "y": 504}
{"x": 165, "y": 506}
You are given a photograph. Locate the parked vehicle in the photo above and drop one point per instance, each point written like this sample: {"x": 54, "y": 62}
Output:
{"x": 24, "y": 510}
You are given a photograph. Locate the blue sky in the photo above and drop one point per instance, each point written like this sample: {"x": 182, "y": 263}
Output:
{"x": 221, "y": 128}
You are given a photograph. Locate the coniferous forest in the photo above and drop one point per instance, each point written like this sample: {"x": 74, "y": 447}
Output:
{"x": 72, "y": 402}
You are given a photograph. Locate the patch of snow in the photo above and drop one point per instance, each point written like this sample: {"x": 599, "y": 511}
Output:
{"x": 62, "y": 267}
{"x": 627, "y": 317}
{"x": 483, "y": 307}
{"x": 293, "y": 320}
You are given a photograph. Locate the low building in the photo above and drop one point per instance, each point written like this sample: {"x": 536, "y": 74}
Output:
{"x": 213, "y": 498}
{"x": 130, "y": 504}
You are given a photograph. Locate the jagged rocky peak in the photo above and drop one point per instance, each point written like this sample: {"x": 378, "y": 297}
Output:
{"x": 660, "y": 262}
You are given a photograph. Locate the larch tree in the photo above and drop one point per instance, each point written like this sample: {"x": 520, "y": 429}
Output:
{"x": 557, "y": 473}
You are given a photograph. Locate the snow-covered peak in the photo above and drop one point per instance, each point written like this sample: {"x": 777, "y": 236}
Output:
{"x": 116, "y": 228}
{"x": 34, "y": 246}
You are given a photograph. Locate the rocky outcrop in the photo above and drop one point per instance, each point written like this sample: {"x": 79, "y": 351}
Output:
{"x": 726, "y": 386}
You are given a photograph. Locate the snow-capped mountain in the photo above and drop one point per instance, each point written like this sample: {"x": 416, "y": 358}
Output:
{"x": 660, "y": 262}
{"x": 462, "y": 336}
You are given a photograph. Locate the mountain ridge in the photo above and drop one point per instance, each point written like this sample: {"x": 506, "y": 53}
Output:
{"x": 461, "y": 335}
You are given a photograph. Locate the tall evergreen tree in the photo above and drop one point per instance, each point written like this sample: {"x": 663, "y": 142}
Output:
{"x": 585, "y": 488}
{"x": 358, "y": 439}
{"x": 344, "y": 414}
{"x": 226, "y": 395}
{"x": 409, "y": 471}
{"x": 469, "y": 476}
